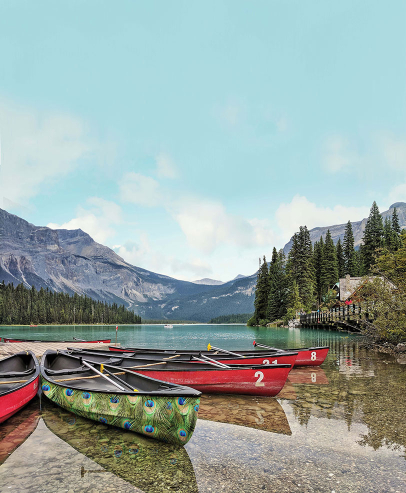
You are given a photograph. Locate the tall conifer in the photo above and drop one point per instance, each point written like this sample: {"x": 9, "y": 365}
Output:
{"x": 340, "y": 259}
{"x": 389, "y": 240}
{"x": 301, "y": 267}
{"x": 262, "y": 292}
{"x": 396, "y": 240}
{"x": 329, "y": 268}
{"x": 373, "y": 238}
{"x": 277, "y": 300}
{"x": 318, "y": 252}
{"x": 348, "y": 251}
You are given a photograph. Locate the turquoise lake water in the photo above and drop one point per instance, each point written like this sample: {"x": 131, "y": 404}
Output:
{"x": 191, "y": 336}
{"x": 337, "y": 428}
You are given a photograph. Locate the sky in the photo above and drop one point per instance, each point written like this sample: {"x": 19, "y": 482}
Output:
{"x": 193, "y": 137}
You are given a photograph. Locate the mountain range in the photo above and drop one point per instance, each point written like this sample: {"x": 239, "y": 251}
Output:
{"x": 71, "y": 261}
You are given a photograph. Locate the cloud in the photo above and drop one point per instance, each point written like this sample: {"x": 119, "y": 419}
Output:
{"x": 143, "y": 254}
{"x": 207, "y": 225}
{"x": 140, "y": 189}
{"x": 300, "y": 212}
{"x": 37, "y": 148}
{"x": 98, "y": 220}
{"x": 394, "y": 152}
{"x": 397, "y": 194}
{"x": 337, "y": 156}
{"x": 165, "y": 166}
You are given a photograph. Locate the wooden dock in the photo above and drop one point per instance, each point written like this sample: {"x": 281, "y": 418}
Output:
{"x": 39, "y": 348}
{"x": 344, "y": 318}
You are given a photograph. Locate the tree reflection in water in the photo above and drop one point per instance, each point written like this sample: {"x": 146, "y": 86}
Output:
{"x": 364, "y": 387}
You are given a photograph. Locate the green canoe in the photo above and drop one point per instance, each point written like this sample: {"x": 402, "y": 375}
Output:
{"x": 125, "y": 399}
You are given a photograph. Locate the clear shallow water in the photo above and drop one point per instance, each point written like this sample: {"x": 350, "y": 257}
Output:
{"x": 338, "y": 428}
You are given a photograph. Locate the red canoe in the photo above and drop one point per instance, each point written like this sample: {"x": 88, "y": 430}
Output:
{"x": 311, "y": 356}
{"x": 247, "y": 358}
{"x": 19, "y": 375}
{"x": 264, "y": 380}
{"x": 97, "y": 341}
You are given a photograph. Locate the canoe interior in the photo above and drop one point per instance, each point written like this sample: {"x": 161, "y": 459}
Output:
{"x": 185, "y": 354}
{"x": 173, "y": 365}
{"x": 57, "y": 366}
{"x": 20, "y": 366}
{"x": 171, "y": 352}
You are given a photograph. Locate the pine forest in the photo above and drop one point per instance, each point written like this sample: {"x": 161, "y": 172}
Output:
{"x": 303, "y": 281}
{"x": 22, "y": 306}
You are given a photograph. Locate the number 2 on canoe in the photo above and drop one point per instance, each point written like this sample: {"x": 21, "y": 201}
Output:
{"x": 265, "y": 362}
{"x": 313, "y": 355}
{"x": 260, "y": 376}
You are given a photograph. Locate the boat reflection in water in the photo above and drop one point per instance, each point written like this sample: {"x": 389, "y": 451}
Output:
{"x": 262, "y": 413}
{"x": 147, "y": 464}
{"x": 310, "y": 375}
{"x": 18, "y": 428}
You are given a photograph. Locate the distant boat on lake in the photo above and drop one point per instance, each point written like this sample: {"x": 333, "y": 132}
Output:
{"x": 168, "y": 326}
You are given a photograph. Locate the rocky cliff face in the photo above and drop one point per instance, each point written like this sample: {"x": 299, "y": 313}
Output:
{"x": 337, "y": 231}
{"x": 71, "y": 261}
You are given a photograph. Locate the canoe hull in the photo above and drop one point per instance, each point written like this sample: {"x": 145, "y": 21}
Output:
{"x": 263, "y": 381}
{"x": 311, "y": 356}
{"x": 12, "y": 402}
{"x": 167, "y": 418}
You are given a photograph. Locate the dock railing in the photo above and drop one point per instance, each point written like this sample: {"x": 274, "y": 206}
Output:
{"x": 346, "y": 317}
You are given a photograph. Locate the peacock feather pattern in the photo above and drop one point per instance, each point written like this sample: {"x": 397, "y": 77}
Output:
{"x": 165, "y": 418}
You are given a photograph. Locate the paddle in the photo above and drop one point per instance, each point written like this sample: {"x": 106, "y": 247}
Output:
{"x": 209, "y": 362}
{"x": 210, "y": 347}
{"x": 263, "y": 345}
{"x": 101, "y": 374}
{"x": 111, "y": 366}
{"x": 102, "y": 368}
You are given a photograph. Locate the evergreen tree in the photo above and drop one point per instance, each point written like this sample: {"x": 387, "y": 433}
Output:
{"x": 358, "y": 266}
{"x": 295, "y": 303}
{"x": 395, "y": 221}
{"x": 396, "y": 239}
{"x": 262, "y": 293}
{"x": 318, "y": 253}
{"x": 373, "y": 238}
{"x": 390, "y": 237}
{"x": 348, "y": 251}
{"x": 340, "y": 259}
{"x": 329, "y": 268}
{"x": 277, "y": 300}
{"x": 273, "y": 259}
{"x": 301, "y": 266}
